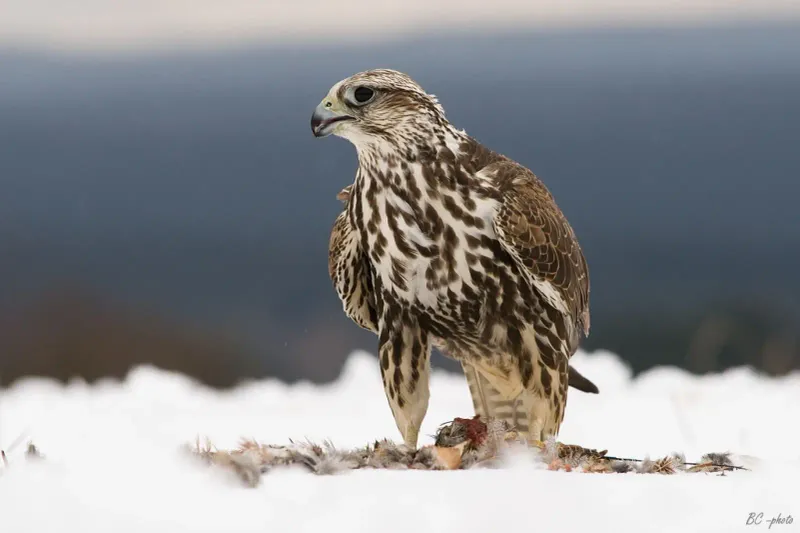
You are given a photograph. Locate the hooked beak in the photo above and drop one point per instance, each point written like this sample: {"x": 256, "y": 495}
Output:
{"x": 324, "y": 119}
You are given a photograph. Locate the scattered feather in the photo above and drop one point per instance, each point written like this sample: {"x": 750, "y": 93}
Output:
{"x": 460, "y": 444}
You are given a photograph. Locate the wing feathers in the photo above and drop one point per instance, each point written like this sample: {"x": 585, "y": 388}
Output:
{"x": 535, "y": 232}
{"x": 348, "y": 269}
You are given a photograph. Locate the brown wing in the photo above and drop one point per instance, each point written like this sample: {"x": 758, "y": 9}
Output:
{"x": 349, "y": 272}
{"x": 535, "y": 232}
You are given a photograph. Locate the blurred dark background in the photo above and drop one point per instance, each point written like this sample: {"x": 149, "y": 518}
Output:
{"x": 174, "y": 208}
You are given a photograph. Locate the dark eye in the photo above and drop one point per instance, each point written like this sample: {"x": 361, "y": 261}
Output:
{"x": 362, "y": 95}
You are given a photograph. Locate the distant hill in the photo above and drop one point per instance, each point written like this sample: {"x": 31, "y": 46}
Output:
{"x": 71, "y": 332}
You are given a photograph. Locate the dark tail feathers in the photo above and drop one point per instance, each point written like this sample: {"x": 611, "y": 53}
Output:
{"x": 578, "y": 381}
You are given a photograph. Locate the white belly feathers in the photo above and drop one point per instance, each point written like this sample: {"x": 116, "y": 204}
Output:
{"x": 417, "y": 289}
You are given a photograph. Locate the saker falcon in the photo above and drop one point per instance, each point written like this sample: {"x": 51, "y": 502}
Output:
{"x": 446, "y": 243}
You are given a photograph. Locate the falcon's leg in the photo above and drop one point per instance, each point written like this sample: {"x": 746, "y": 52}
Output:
{"x": 545, "y": 375}
{"x": 490, "y": 402}
{"x": 405, "y": 368}
{"x": 544, "y": 418}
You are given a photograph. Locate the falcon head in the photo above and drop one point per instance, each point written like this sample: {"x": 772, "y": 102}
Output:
{"x": 374, "y": 106}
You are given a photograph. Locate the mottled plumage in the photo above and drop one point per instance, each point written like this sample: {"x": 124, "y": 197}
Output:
{"x": 446, "y": 243}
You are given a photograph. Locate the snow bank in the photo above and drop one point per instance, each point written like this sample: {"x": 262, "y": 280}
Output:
{"x": 113, "y": 461}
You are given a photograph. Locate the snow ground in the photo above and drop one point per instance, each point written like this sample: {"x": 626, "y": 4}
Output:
{"x": 113, "y": 458}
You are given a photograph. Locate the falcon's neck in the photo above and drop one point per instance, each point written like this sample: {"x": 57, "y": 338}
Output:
{"x": 388, "y": 159}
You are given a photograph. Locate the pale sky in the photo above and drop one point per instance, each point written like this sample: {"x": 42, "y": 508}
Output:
{"x": 119, "y": 25}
